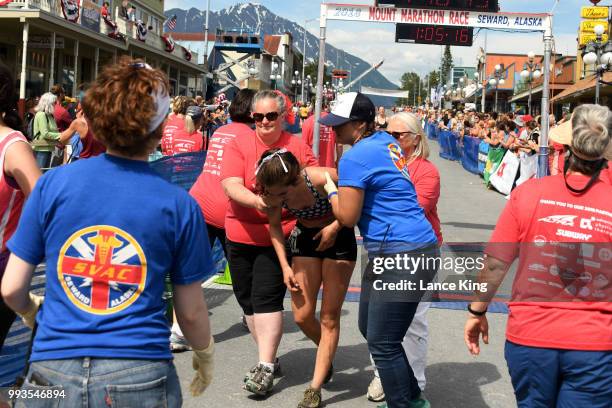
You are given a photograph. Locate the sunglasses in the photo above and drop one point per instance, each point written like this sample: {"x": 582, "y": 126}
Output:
{"x": 271, "y": 116}
{"x": 397, "y": 135}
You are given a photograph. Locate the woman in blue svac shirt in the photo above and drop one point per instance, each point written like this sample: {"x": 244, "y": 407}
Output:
{"x": 376, "y": 193}
{"x": 110, "y": 229}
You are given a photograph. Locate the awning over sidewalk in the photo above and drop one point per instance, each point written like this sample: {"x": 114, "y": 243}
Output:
{"x": 584, "y": 88}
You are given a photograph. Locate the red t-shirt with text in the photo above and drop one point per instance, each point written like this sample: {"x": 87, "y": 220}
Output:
{"x": 173, "y": 126}
{"x": 327, "y": 141}
{"x": 207, "y": 190}
{"x": 247, "y": 225}
{"x": 183, "y": 142}
{"x": 563, "y": 286}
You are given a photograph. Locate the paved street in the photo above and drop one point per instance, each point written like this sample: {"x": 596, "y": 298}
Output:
{"x": 468, "y": 212}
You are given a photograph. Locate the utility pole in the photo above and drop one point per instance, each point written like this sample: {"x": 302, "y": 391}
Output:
{"x": 484, "y": 75}
{"x": 419, "y": 99}
{"x": 206, "y": 49}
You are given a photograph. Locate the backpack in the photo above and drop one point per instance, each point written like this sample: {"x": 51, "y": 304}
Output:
{"x": 29, "y": 129}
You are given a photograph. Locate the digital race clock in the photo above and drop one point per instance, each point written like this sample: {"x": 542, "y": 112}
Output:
{"x": 491, "y": 6}
{"x": 433, "y": 34}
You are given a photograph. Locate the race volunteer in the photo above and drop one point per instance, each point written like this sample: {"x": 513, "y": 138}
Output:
{"x": 376, "y": 193}
{"x": 190, "y": 138}
{"x": 207, "y": 190}
{"x": 406, "y": 129}
{"x": 102, "y": 334}
{"x": 558, "y": 337}
{"x": 257, "y": 277}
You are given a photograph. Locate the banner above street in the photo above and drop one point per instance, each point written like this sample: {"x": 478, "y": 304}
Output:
{"x": 508, "y": 21}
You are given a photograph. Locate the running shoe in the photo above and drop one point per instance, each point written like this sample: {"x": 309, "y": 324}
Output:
{"x": 178, "y": 343}
{"x": 253, "y": 370}
{"x": 312, "y": 399}
{"x": 375, "y": 391}
{"x": 420, "y": 402}
{"x": 262, "y": 382}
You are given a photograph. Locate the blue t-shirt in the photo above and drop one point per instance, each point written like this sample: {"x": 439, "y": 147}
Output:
{"x": 391, "y": 219}
{"x": 110, "y": 230}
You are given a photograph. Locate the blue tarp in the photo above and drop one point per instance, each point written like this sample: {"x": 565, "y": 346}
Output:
{"x": 449, "y": 149}
{"x": 469, "y": 159}
{"x": 483, "y": 152}
{"x": 181, "y": 169}
{"x": 432, "y": 132}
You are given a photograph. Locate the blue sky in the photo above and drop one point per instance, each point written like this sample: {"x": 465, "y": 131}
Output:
{"x": 377, "y": 40}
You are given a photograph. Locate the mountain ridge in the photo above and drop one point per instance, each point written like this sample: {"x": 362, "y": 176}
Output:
{"x": 260, "y": 19}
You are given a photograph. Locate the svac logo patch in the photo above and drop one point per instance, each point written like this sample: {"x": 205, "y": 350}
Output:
{"x": 399, "y": 159}
{"x": 102, "y": 269}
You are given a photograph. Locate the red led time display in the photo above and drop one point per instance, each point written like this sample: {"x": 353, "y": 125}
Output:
{"x": 432, "y": 34}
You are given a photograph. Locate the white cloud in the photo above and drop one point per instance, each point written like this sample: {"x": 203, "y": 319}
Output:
{"x": 374, "y": 44}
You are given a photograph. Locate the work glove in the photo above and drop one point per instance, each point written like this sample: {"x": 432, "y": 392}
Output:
{"x": 330, "y": 186}
{"x": 203, "y": 364}
{"x": 29, "y": 317}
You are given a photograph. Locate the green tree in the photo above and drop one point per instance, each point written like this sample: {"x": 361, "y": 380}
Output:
{"x": 312, "y": 70}
{"x": 410, "y": 82}
{"x": 447, "y": 64}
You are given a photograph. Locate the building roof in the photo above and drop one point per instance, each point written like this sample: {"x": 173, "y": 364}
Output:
{"x": 581, "y": 87}
{"x": 271, "y": 44}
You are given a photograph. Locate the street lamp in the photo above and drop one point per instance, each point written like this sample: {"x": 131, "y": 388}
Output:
{"x": 275, "y": 75}
{"x": 296, "y": 82}
{"x": 497, "y": 80}
{"x": 306, "y": 86}
{"x": 530, "y": 72}
{"x": 478, "y": 86}
{"x": 304, "y": 53}
{"x": 598, "y": 53}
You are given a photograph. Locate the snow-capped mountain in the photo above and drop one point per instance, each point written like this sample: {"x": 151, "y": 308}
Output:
{"x": 260, "y": 19}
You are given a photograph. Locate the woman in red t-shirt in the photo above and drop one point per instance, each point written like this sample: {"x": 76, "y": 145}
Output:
{"x": 257, "y": 276}
{"x": 174, "y": 124}
{"x": 558, "y": 338}
{"x": 208, "y": 191}
{"x": 190, "y": 139}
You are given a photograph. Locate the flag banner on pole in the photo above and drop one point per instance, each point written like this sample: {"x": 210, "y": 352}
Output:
{"x": 394, "y": 93}
{"x": 170, "y": 23}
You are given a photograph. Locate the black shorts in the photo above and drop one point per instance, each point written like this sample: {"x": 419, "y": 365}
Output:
{"x": 301, "y": 243}
{"x": 216, "y": 233}
{"x": 257, "y": 278}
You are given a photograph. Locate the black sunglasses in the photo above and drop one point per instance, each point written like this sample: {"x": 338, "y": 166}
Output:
{"x": 397, "y": 135}
{"x": 271, "y": 116}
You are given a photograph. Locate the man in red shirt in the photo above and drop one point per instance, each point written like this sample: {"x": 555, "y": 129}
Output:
{"x": 61, "y": 115}
{"x": 329, "y": 151}
{"x": 559, "y": 337}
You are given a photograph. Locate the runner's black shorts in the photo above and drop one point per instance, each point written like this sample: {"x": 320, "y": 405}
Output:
{"x": 301, "y": 243}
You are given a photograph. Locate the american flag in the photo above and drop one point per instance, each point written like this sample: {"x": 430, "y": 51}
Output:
{"x": 171, "y": 23}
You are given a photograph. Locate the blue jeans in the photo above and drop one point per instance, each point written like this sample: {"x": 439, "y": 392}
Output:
{"x": 545, "y": 378}
{"x": 43, "y": 159}
{"x": 104, "y": 383}
{"x": 384, "y": 319}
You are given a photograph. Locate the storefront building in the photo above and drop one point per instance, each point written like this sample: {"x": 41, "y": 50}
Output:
{"x": 46, "y": 42}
